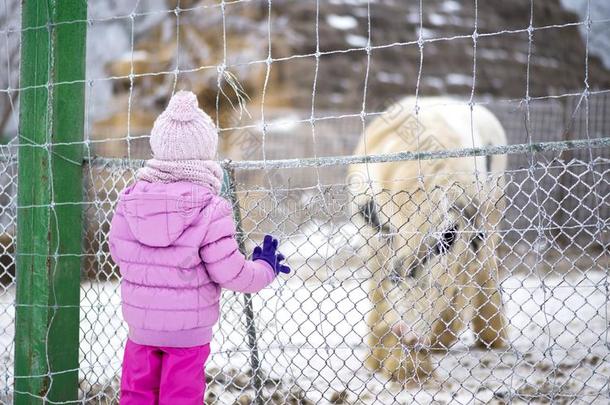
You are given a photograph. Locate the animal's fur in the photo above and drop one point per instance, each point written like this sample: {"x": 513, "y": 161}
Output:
{"x": 434, "y": 267}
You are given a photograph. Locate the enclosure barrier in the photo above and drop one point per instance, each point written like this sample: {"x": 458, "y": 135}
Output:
{"x": 555, "y": 296}
{"x": 577, "y": 373}
{"x": 309, "y": 339}
{"x": 301, "y": 222}
{"x": 231, "y": 193}
{"x": 261, "y": 209}
{"x": 49, "y": 218}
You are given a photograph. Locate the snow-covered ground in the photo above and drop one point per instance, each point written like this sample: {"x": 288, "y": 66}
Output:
{"x": 558, "y": 345}
{"x": 311, "y": 333}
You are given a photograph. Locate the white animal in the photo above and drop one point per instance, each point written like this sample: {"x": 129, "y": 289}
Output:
{"x": 431, "y": 231}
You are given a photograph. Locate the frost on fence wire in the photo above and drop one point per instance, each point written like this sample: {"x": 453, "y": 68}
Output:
{"x": 313, "y": 337}
{"x": 8, "y": 181}
{"x": 543, "y": 317}
{"x": 547, "y": 269}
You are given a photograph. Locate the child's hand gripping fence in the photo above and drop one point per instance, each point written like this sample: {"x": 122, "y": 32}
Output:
{"x": 387, "y": 303}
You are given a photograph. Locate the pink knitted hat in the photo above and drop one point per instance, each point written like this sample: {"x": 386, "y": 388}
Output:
{"x": 183, "y": 131}
{"x": 183, "y": 141}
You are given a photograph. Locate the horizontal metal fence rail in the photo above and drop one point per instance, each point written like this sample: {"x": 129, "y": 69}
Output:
{"x": 554, "y": 146}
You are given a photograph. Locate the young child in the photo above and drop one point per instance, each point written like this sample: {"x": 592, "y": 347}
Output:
{"x": 173, "y": 238}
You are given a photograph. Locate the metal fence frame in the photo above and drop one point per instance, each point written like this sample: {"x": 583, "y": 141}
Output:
{"x": 49, "y": 225}
{"x": 50, "y": 188}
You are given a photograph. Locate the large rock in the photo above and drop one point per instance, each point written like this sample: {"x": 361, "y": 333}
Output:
{"x": 508, "y": 62}
{"x": 239, "y": 39}
{"x": 556, "y": 56}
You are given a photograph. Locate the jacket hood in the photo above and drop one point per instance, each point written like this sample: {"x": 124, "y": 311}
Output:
{"x": 158, "y": 213}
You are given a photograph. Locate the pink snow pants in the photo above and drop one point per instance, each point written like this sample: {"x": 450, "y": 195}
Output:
{"x": 163, "y": 375}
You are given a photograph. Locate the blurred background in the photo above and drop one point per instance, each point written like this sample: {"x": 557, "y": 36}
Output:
{"x": 305, "y": 71}
{"x": 134, "y": 48}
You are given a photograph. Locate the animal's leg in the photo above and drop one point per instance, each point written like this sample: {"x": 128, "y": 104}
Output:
{"x": 377, "y": 353}
{"x": 408, "y": 366}
{"x": 393, "y": 352}
{"x": 447, "y": 328}
{"x": 377, "y": 328}
{"x": 489, "y": 322}
{"x": 381, "y": 340}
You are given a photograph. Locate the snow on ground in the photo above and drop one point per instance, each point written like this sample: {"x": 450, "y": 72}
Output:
{"x": 357, "y": 41}
{"x": 310, "y": 335}
{"x": 456, "y": 79}
{"x": 7, "y": 316}
{"x": 558, "y": 336}
{"x": 342, "y": 22}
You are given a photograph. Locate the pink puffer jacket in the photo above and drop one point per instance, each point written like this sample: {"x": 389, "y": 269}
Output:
{"x": 175, "y": 246}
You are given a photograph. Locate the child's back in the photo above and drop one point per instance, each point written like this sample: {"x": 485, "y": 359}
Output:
{"x": 176, "y": 248}
{"x": 173, "y": 238}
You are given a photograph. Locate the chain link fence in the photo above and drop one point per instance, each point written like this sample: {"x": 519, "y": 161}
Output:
{"x": 312, "y": 338}
{"x": 499, "y": 294}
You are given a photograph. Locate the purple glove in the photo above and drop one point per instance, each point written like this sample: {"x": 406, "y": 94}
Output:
{"x": 269, "y": 254}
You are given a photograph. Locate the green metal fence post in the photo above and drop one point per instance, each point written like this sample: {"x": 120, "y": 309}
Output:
{"x": 49, "y": 216}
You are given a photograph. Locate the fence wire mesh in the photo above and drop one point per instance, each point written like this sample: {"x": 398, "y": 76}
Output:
{"x": 312, "y": 330}
{"x": 455, "y": 290}
{"x": 313, "y": 338}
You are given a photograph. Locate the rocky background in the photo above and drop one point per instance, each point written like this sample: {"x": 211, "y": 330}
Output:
{"x": 199, "y": 37}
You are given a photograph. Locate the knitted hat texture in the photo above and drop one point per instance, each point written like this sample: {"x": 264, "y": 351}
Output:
{"x": 183, "y": 131}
